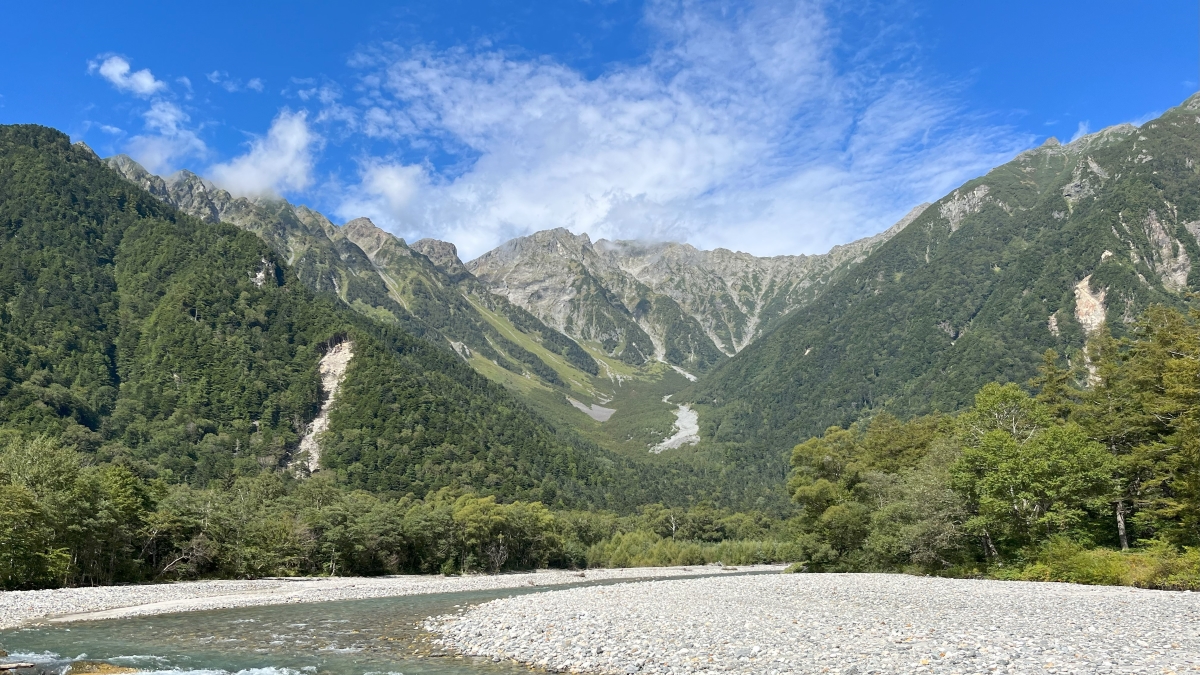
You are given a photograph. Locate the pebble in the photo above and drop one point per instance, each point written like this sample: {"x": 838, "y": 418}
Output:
{"x": 835, "y": 623}
{"x": 108, "y": 602}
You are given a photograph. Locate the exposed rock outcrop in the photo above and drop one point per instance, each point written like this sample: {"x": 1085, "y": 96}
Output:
{"x": 441, "y": 253}
{"x": 1168, "y": 256}
{"x": 959, "y": 206}
{"x": 333, "y": 371}
{"x": 662, "y": 300}
{"x": 1090, "y": 311}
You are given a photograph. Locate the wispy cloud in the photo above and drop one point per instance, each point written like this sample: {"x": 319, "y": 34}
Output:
{"x": 1082, "y": 130}
{"x": 743, "y": 129}
{"x": 233, "y": 85}
{"x": 169, "y": 139}
{"x": 281, "y": 161}
{"x": 116, "y": 70}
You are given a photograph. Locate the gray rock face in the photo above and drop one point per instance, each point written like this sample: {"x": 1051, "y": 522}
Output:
{"x": 441, "y": 253}
{"x": 291, "y": 230}
{"x": 693, "y": 307}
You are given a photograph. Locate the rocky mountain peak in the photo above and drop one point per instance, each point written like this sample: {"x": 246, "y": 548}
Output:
{"x": 87, "y": 148}
{"x": 443, "y": 254}
{"x": 557, "y": 242}
{"x": 133, "y": 172}
{"x": 694, "y": 306}
{"x": 362, "y": 228}
{"x": 370, "y": 238}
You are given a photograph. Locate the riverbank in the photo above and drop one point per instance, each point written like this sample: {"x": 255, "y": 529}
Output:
{"x": 110, "y": 602}
{"x": 836, "y": 623}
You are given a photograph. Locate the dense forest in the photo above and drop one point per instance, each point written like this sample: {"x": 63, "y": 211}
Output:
{"x": 1089, "y": 475}
{"x": 65, "y": 520}
{"x": 1092, "y": 478}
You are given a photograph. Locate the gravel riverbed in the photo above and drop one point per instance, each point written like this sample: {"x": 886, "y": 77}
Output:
{"x": 108, "y": 602}
{"x": 836, "y": 623}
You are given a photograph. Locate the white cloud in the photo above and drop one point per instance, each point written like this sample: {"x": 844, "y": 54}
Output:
{"x": 117, "y": 70}
{"x": 281, "y": 161}
{"x": 233, "y": 85}
{"x": 742, "y": 129}
{"x": 221, "y": 79}
{"x": 1082, "y": 130}
{"x": 169, "y": 142}
{"x": 1152, "y": 115}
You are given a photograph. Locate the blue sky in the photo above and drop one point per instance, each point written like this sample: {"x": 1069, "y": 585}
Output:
{"x": 769, "y": 127}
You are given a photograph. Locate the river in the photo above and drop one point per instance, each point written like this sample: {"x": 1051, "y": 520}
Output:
{"x": 354, "y": 637}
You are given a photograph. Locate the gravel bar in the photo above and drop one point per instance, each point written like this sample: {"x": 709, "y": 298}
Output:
{"x": 109, "y": 602}
{"x": 836, "y": 623}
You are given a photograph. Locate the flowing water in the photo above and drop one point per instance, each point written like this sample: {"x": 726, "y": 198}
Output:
{"x": 354, "y": 637}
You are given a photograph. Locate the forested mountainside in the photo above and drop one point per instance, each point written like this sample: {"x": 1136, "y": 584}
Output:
{"x": 189, "y": 352}
{"x": 1058, "y": 244}
{"x": 1091, "y": 479}
{"x": 375, "y": 273}
{"x": 644, "y": 301}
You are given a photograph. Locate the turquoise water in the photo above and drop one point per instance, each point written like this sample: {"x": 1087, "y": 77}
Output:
{"x": 353, "y": 637}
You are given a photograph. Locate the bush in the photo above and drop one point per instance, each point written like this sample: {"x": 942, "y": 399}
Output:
{"x": 1159, "y": 565}
{"x": 647, "y": 549}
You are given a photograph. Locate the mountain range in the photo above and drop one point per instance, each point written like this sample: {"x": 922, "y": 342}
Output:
{"x": 165, "y": 322}
{"x": 661, "y": 301}
{"x": 637, "y": 302}
{"x": 583, "y": 332}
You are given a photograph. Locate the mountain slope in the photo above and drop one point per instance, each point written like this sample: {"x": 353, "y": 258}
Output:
{"x": 1037, "y": 254}
{"x": 189, "y": 350}
{"x": 643, "y": 301}
{"x": 440, "y": 295}
{"x": 323, "y": 259}
{"x": 370, "y": 270}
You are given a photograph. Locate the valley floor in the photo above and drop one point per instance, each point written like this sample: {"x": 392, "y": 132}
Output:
{"x": 836, "y": 623}
{"x": 110, "y": 602}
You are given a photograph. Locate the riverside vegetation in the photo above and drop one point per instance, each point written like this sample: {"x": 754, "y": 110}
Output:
{"x": 1094, "y": 478}
{"x": 66, "y": 520}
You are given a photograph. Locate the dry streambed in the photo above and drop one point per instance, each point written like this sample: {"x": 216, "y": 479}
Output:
{"x": 835, "y": 623}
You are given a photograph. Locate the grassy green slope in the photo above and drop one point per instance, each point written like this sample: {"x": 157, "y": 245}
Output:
{"x": 938, "y": 311}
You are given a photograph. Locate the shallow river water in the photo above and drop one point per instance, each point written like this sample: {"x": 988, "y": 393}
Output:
{"x": 355, "y": 637}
